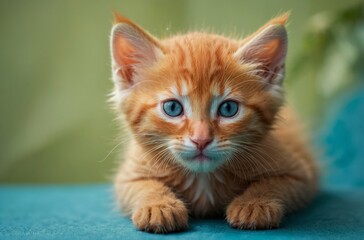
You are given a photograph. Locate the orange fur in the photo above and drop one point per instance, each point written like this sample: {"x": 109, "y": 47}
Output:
{"x": 270, "y": 172}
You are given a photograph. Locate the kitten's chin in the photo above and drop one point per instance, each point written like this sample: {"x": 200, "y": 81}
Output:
{"x": 200, "y": 163}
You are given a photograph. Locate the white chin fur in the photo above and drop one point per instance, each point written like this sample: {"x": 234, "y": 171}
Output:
{"x": 209, "y": 165}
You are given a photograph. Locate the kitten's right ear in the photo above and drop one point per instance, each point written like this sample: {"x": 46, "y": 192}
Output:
{"x": 132, "y": 49}
{"x": 267, "y": 48}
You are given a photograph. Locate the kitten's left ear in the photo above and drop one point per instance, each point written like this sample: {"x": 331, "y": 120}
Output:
{"x": 132, "y": 50}
{"x": 267, "y": 48}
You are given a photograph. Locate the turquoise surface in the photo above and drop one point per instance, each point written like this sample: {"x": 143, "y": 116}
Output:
{"x": 86, "y": 212}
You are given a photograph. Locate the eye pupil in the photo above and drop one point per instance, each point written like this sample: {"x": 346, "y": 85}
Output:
{"x": 173, "y": 106}
{"x": 228, "y": 108}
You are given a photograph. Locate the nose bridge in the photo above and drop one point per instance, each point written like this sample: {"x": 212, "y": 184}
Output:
{"x": 200, "y": 102}
{"x": 200, "y": 130}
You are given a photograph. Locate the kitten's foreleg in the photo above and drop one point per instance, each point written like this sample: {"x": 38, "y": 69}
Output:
{"x": 152, "y": 205}
{"x": 264, "y": 202}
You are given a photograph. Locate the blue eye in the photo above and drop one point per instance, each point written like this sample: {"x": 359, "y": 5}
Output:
{"x": 172, "y": 108}
{"x": 228, "y": 108}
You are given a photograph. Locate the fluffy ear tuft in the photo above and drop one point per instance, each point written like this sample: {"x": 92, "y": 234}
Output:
{"x": 118, "y": 18}
{"x": 132, "y": 49}
{"x": 280, "y": 20}
{"x": 267, "y": 48}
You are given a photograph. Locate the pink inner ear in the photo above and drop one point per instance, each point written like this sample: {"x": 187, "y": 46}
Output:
{"x": 268, "y": 50}
{"x": 123, "y": 55}
{"x": 270, "y": 54}
{"x": 272, "y": 58}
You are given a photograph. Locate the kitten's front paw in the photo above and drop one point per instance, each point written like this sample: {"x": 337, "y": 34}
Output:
{"x": 167, "y": 216}
{"x": 254, "y": 214}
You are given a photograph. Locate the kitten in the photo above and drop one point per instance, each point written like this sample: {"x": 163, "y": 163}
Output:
{"x": 206, "y": 139}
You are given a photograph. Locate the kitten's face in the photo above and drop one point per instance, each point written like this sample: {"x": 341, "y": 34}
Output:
{"x": 195, "y": 99}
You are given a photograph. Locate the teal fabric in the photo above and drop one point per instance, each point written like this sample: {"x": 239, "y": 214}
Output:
{"x": 86, "y": 212}
{"x": 342, "y": 139}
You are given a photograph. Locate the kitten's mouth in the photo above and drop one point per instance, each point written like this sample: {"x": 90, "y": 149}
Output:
{"x": 200, "y": 158}
{"x": 199, "y": 161}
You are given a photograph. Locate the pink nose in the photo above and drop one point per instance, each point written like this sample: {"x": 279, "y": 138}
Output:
{"x": 201, "y": 144}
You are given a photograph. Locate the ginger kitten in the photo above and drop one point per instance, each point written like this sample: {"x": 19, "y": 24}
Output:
{"x": 210, "y": 135}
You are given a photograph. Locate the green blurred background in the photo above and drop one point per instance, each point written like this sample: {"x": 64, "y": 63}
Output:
{"x": 55, "y": 124}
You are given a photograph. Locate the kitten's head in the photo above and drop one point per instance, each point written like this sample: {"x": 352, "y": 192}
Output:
{"x": 198, "y": 99}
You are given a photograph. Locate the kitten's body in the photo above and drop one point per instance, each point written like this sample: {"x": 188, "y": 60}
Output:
{"x": 271, "y": 171}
